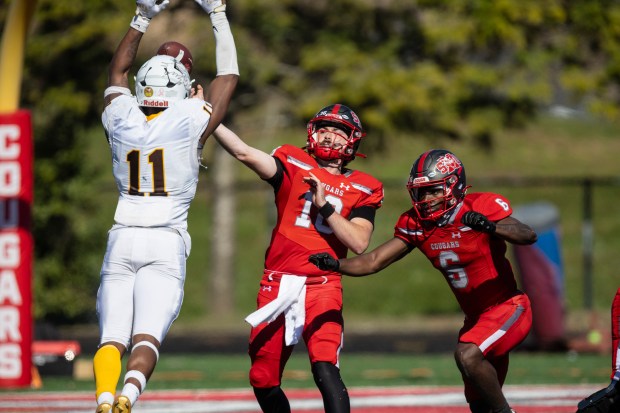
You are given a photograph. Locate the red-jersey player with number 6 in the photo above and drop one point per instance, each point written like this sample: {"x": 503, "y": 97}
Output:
{"x": 464, "y": 236}
{"x": 322, "y": 206}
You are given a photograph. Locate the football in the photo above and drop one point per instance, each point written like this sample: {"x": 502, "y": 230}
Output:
{"x": 178, "y": 51}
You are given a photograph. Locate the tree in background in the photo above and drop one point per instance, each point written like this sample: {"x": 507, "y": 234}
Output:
{"x": 64, "y": 78}
{"x": 446, "y": 69}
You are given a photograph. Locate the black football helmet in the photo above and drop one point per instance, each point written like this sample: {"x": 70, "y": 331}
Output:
{"x": 343, "y": 118}
{"x": 436, "y": 169}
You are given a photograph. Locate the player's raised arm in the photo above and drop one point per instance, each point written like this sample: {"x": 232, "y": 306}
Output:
{"x": 223, "y": 86}
{"x": 260, "y": 162}
{"x": 125, "y": 53}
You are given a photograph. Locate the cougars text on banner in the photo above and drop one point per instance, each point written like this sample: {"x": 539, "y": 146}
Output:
{"x": 16, "y": 247}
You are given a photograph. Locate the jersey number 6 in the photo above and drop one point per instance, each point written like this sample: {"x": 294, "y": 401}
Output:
{"x": 456, "y": 274}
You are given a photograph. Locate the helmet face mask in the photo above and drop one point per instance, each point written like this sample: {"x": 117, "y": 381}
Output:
{"x": 161, "y": 81}
{"x": 436, "y": 184}
{"x": 343, "y": 118}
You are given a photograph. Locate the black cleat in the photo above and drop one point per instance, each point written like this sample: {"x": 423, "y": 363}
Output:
{"x": 603, "y": 401}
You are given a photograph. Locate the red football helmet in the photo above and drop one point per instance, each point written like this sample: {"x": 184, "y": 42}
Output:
{"x": 179, "y": 52}
{"x": 437, "y": 170}
{"x": 343, "y": 118}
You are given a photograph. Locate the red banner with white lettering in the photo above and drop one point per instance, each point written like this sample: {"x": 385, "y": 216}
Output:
{"x": 16, "y": 246}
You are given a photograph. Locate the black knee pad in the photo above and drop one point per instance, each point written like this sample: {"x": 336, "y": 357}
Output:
{"x": 272, "y": 400}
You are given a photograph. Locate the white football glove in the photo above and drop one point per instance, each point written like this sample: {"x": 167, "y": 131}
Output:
{"x": 212, "y": 6}
{"x": 150, "y": 8}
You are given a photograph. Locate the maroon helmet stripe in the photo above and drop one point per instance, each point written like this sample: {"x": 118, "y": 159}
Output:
{"x": 421, "y": 161}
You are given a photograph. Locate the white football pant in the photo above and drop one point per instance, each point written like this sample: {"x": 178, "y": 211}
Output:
{"x": 142, "y": 279}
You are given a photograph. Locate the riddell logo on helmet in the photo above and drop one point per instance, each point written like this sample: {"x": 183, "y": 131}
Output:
{"x": 448, "y": 163}
{"x": 155, "y": 103}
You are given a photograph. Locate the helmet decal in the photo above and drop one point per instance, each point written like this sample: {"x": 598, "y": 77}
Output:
{"x": 448, "y": 163}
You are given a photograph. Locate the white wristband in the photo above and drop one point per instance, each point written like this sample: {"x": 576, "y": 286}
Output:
{"x": 140, "y": 23}
{"x": 225, "y": 50}
{"x": 116, "y": 89}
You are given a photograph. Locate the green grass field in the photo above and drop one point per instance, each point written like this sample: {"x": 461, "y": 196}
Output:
{"x": 219, "y": 371}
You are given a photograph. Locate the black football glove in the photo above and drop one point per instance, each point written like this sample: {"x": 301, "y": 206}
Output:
{"x": 325, "y": 261}
{"x": 477, "y": 221}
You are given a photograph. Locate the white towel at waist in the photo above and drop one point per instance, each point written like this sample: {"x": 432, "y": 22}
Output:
{"x": 291, "y": 301}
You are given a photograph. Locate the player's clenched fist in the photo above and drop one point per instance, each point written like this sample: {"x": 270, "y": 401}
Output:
{"x": 477, "y": 221}
{"x": 212, "y": 6}
{"x": 324, "y": 261}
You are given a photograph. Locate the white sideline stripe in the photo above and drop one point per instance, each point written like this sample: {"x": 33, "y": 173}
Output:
{"x": 420, "y": 400}
{"x": 543, "y": 393}
{"x": 528, "y": 396}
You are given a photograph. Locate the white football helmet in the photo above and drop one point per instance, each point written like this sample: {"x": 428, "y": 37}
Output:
{"x": 162, "y": 80}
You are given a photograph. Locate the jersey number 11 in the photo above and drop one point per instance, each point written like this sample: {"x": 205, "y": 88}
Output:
{"x": 156, "y": 159}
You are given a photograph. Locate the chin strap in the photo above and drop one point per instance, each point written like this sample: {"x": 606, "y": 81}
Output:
{"x": 447, "y": 217}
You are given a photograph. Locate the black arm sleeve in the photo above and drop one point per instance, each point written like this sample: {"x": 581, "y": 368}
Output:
{"x": 366, "y": 212}
{"x": 276, "y": 180}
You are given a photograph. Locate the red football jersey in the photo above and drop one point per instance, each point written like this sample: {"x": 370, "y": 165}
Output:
{"x": 473, "y": 262}
{"x": 300, "y": 231}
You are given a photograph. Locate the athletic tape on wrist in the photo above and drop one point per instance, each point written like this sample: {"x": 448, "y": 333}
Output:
{"x": 135, "y": 374}
{"x": 148, "y": 344}
{"x": 140, "y": 23}
{"x": 218, "y": 9}
{"x": 116, "y": 89}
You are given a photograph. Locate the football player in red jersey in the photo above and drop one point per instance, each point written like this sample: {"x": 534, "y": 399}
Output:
{"x": 607, "y": 400}
{"x": 322, "y": 206}
{"x": 464, "y": 236}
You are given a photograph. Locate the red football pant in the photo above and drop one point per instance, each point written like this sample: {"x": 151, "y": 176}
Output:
{"x": 323, "y": 331}
{"x": 496, "y": 332}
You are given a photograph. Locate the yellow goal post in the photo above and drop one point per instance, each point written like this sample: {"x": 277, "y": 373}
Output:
{"x": 12, "y": 53}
